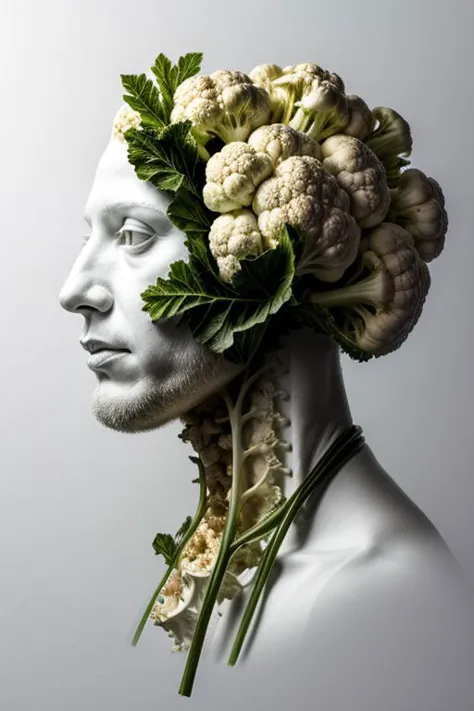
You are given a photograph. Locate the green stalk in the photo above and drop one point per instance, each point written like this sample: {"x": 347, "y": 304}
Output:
{"x": 184, "y": 541}
{"x": 223, "y": 557}
{"x": 350, "y": 442}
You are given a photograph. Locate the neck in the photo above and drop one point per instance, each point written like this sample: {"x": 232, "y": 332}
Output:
{"x": 318, "y": 411}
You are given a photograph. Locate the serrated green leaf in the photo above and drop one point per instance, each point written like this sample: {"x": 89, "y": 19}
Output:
{"x": 143, "y": 96}
{"x": 166, "y": 158}
{"x": 190, "y": 215}
{"x": 165, "y": 545}
{"x": 217, "y": 312}
{"x": 170, "y": 76}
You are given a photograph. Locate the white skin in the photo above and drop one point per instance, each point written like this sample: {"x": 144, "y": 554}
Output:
{"x": 163, "y": 371}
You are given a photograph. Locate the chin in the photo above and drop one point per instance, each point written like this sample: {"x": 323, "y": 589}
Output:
{"x": 150, "y": 403}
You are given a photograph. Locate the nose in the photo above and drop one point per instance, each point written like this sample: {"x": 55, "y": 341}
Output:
{"x": 85, "y": 288}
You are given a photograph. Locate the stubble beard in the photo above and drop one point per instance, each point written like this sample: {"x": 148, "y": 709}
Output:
{"x": 154, "y": 402}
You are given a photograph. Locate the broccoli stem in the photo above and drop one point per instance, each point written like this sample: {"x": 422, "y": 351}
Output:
{"x": 375, "y": 290}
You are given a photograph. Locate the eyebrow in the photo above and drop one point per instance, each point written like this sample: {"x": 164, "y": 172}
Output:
{"x": 129, "y": 203}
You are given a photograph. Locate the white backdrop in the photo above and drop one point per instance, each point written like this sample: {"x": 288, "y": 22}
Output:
{"x": 79, "y": 504}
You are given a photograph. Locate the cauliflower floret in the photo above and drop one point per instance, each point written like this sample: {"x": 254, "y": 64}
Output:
{"x": 125, "y": 118}
{"x": 281, "y": 142}
{"x": 224, "y": 104}
{"x": 361, "y": 119}
{"x": 304, "y": 195}
{"x": 418, "y": 206}
{"x": 394, "y": 291}
{"x": 232, "y": 237}
{"x": 263, "y": 76}
{"x": 360, "y": 173}
{"x": 232, "y": 176}
{"x": 319, "y": 97}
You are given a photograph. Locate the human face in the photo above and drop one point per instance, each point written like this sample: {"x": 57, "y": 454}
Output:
{"x": 148, "y": 373}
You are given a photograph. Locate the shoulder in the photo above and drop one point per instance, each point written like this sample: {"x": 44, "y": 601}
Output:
{"x": 399, "y": 616}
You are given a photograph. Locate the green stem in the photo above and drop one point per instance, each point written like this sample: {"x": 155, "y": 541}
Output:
{"x": 336, "y": 456}
{"x": 189, "y": 533}
{"x": 223, "y": 557}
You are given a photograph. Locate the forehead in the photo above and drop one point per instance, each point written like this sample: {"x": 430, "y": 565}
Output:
{"x": 115, "y": 182}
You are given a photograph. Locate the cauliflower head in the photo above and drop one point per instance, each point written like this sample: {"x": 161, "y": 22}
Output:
{"x": 303, "y": 194}
{"x": 280, "y": 142}
{"x": 418, "y": 205}
{"x": 360, "y": 173}
{"x": 232, "y": 237}
{"x": 232, "y": 176}
{"x": 379, "y": 312}
{"x": 361, "y": 119}
{"x": 225, "y": 104}
{"x": 263, "y": 75}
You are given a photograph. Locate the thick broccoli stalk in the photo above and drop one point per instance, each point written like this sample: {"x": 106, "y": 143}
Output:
{"x": 418, "y": 206}
{"x": 225, "y": 104}
{"x": 377, "y": 313}
{"x": 391, "y": 142}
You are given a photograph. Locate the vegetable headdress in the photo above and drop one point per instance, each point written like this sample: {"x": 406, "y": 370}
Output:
{"x": 296, "y": 201}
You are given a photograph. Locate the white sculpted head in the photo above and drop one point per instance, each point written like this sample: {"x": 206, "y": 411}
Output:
{"x": 158, "y": 370}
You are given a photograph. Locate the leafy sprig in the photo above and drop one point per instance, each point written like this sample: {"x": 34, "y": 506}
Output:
{"x": 216, "y": 311}
{"x": 167, "y": 545}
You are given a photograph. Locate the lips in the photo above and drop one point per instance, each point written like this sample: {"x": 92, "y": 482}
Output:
{"x": 105, "y": 356}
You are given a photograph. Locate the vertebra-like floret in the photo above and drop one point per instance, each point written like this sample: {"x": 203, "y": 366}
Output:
{"x": 304, "y": 195}
{"x": 378, "y": 313}
{"x": 225, "y": 104}
{"x": 360, "y": 173}
{"x": 232, "y": 176}
{"x": 232, "y": 237}
{"x": 418, "y": 206}
{"x": 280, "y": 142}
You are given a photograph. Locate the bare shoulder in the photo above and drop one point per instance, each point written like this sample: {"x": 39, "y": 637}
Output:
{"x": 398, "y": 616}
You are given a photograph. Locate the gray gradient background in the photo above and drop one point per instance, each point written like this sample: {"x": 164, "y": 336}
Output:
{"x": 79, "y": 504}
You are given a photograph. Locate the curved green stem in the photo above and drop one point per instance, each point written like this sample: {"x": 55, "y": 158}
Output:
{"x": 184, "y": 541}
{"x": 336, "y": 456}
{"x": 223, "y": 557}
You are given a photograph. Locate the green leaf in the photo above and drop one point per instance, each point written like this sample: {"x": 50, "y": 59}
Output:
{"x": 165, "y": 545}
{"x": 167, "y": 158}
{"x": 183, "y": 529}
{"x": 218, "y": 313}
{"x": 169, "y": 76}
{"x": 144, "y": 97}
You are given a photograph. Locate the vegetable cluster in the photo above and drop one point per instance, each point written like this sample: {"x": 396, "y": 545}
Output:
{"x": 296, "y": 200}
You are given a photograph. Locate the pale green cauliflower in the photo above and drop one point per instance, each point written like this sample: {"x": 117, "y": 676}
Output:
{"x": 225, "y": 104}
{"x": 281, "y": 142}
{"x": 232, "y": 176}
{"x": 360, "y": 173}
{"x": 391, "y": 141}
{"x": 232, "y": 237}
{"x": 418, "y": 206}
{"x": 304, "y": 195}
